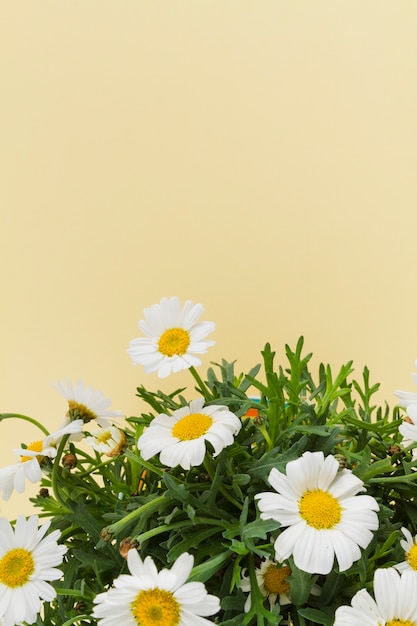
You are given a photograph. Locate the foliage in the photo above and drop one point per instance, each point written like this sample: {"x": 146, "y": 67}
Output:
{"x": 102, "y": 505}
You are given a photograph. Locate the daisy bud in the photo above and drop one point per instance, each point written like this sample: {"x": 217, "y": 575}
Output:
{"x": 106, "y": 534}
{"x": 127, "y": 544}
{"x": 69, "y": 461}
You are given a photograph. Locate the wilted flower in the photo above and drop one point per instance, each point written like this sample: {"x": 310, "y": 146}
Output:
{"x": 86, "y": 404}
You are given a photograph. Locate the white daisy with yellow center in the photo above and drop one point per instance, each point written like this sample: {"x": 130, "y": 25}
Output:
{"x": 32, "y": 458}
{"x": 28, "y": 559}
{"x": 272, "y": 579}
{"x": 181, "y": 438}
{"x": 395, "y": 602}
{"x": 173, "y": 337}
{"x": 151, "y": 598}
{"x": 86, "y": 404}
{"x": 409, "y": 545}
{"x": 324, "y": 515}
{"x": 109, "y": 441}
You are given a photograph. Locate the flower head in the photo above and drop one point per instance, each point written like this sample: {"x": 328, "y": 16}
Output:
{"x": 86, "y": 404}
{"x": 408, "y": 428}
{"x": 181, "y": 438}
{"x": 173, "y": 337}
{"x": 32, "y": 459}
{"x": 408, "y": 397}
{"x": 109, "y": 441}
{"x": 395, "y": 602}
{"x": 324, "y": 516}
{"x": 409, "y": 545}
{"x": 147, "y": 597}
{"x": 272, "y": 582}
{"x": 28, "y": 559}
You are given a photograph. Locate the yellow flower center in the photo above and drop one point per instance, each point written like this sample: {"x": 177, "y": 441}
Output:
{"x": 104, "y": 436}
{"x": 156, "y": 607}
{"x": 174, "y": 341}
{"x": 400, "y": 622}
{"x": 16, "y": 567}
{"x": 35, "y": 446}
{"x": 78, "y": 411}
{"x": 275, "y": 579}
{"x": 320, "y": 509}
{"x": 412, "y": 557}
{"x": 192, "y": 426}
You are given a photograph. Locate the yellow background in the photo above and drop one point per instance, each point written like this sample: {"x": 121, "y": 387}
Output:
{"x": 257, "y": 156}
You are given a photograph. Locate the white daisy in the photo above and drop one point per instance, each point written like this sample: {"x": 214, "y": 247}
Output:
{"x": 408, "y": 428}
{"x": 151, "y": 598}
{"x": 395, "y": 602}
{"x": 325, "y": 517}
{"x": 181, "y": 438}
{"x": 409, "y": 545}
{"x": 32, "y": 458}
{"x": 28, "y": 559}
{"x": 408, "y": 397}
{"x": 109, "y": 441}
{"x": 173, "y": 337}
{"x": 86, "y": 404}
{"x": 272, "y": 582}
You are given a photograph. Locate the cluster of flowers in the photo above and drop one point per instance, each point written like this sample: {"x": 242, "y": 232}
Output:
{"x": 323, "y": 517}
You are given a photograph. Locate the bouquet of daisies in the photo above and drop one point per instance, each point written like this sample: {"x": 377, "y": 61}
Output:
{"x": 269, "y": 497}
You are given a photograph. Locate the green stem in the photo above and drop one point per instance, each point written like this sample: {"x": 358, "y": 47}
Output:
{"x": 206, "y": 521}
{"x": 73, "y": 620}
{"x": 202, "y": 386}
{"x": 149, "y": 507}
{"x": 26, "y": 418}
{"x": 144, "y": 464}
{"x": 266, "y": 437}
{"x": 54, "y": 474}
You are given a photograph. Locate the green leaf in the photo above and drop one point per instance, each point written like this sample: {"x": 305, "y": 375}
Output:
{"x": 204, "y": 571}
{"x": 318, "y": 617}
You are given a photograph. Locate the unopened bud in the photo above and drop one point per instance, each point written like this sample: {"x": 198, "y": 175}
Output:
{"x": 258, "y": 420}
{"x": 80, "y": 607}
{"x": 69, "y": 461}
{"x": 342, "y": 460}
{"x": 127, "y": 544}
{"x": 394, "y": 449}
{"x": 106, "y": 534}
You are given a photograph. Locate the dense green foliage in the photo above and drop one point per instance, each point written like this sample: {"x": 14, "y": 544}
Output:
{"x": 102, "y": 503}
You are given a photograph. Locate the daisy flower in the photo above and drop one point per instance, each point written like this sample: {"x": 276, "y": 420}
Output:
{"x": 32, "y": 458}
{"x": 181, "y": 438}
{"x": 325, "y": 517}
{"x": 272, "y": 582}
{"x": 109, "y": 441}
{"x": 395, "y": 602}
{"x": 86, "y": 404}
{"x": 408, "y": 397}
{"x": 409, "y": 545}
{"x": 151, "y": 598}
{"x": 408, "y": 428}
{"x": 28, "y": 559}
{"x": 173, "y": 337}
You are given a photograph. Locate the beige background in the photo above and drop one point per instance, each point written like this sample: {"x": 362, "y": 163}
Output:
{"x": 258, "y": 156}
